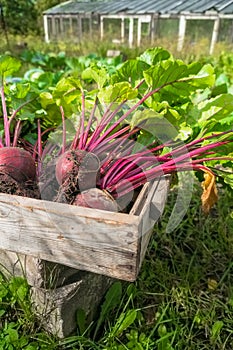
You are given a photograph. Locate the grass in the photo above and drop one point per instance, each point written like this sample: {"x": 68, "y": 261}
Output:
{"x": 191, "y": 51}
{"x": 187, "y": 275}
{"x": 182, "y": 299}
{"x": 184, "y": 293}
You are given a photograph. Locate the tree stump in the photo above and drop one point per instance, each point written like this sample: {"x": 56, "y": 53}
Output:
{"x": 58, "y": 291}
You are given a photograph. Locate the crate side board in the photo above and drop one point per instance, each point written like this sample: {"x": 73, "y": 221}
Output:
{"x": 151, "y": 212}
{"x": 83, "y": 238}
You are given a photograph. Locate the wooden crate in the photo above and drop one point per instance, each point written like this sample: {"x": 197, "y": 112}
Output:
{"x": 106, "y": 243}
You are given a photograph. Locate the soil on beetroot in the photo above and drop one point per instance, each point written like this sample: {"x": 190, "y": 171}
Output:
{"x": 9, "y": 185}
{"x": 68, "y": 190}
{"x": 49, "y": 187}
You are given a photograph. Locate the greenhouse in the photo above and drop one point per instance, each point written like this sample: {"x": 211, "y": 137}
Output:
{"x": 133, "y": 19}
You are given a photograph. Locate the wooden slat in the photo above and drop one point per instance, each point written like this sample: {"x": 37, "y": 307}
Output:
{"x": 140, "y": 200}
{"x": 152, "y": 211}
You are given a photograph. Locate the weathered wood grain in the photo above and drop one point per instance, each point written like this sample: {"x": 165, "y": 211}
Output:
{"x": 151, "y": 212}
{"x": 57, "y": 308}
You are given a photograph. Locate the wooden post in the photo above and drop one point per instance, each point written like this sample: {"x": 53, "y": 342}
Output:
{"x": 214, "y": 35}
{"x": 46, "y": 29}
{"x": 131, "y": 23}
{"x": 61, "y": 24}
{"x": 53, "y": 27}
{"x": 80, "y": 31}
{"x": 90, "y": 25}
{"x": 71, "y": 32}
{"x": 181, "y": 35}
{"x": 153, "y": 28}
{"x": 231, "y": 32}
{"x": 101, "y": 27}
{"x": 139, "y": 32}
{"x": 122, "y": 30}
{"x": 57, "y": 291}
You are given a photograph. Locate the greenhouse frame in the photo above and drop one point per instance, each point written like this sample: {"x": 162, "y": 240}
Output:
{"x": 77, "y": 17}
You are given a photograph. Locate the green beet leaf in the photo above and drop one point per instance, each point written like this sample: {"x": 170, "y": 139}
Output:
{"x": 154, "y": 55}
{"x": 117, "y": 93}
{"x": 96, "y": 74}
{"x": 131, "y": 71}
{"x": 8, "y": 66}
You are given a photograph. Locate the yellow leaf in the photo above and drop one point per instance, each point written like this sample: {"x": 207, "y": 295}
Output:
{"x": 210, "y": 194}
{"x": 212, "y": 284}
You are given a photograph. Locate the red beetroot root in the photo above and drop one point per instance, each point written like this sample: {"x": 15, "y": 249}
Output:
{"x": 75, "y": 161}
{"x": 18, "y": 172}
{"x": 17, "y": 163}
{"x": 76, "y": 171}
{"x": 97, "y": 199}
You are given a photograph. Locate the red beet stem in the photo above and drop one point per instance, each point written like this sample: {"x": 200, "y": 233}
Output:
{"x": 81, "y": 144}
{"x": 89, "y": 124}
{"x": 105, "y": 120}
{"x": 17, "y": 133}
{"x": 125, "y": 186}
{"x": 63, "y": 130}
{"x": 116, "y": 180}
{"x": 5, "y": 117}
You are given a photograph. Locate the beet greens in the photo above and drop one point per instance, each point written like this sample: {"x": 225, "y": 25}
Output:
{"x": 115, "y": 125}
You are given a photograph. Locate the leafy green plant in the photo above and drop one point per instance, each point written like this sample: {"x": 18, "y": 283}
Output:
{"x": 19, "y": 326}
{"x": 68, "y": 65}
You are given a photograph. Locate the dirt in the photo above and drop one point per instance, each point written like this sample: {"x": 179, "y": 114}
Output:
{"x": 9, "y": 185}
{"x": 68, "y": 190}
{"x": 50, "y": 189}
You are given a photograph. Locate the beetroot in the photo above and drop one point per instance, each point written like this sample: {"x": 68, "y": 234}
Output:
{"x": 65, "y": 164}
{"x": 79, "y": 165}
{"x": 96, "y": 198}
{"x": 17, "y": 163}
